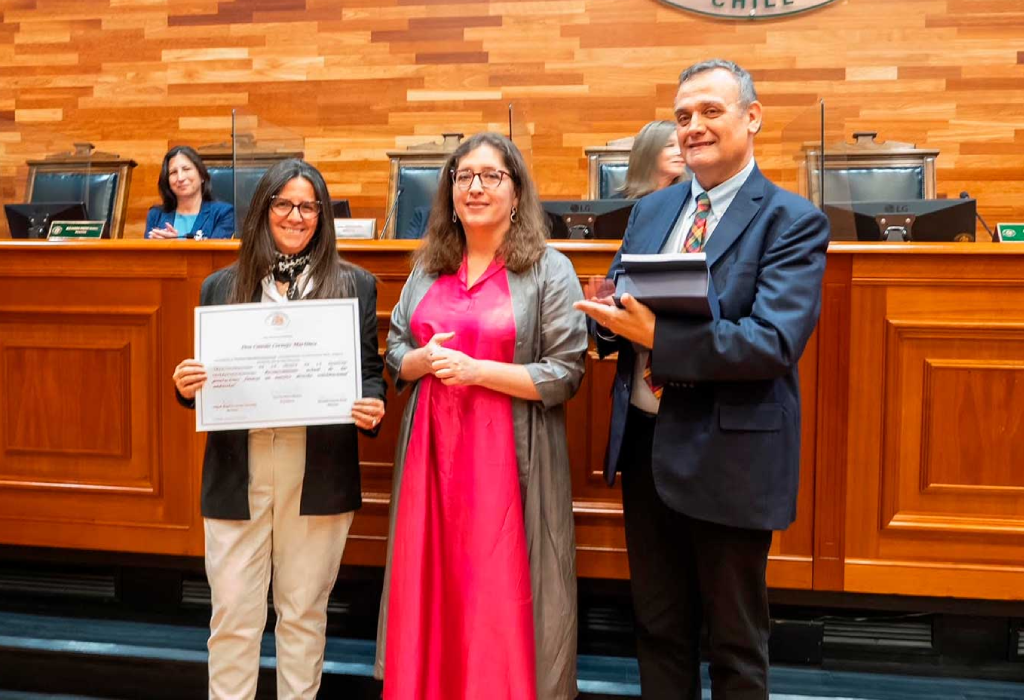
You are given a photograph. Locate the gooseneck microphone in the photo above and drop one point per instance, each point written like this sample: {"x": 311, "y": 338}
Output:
{"x": 387, "y": 220}
{"x": 967, "y": 195}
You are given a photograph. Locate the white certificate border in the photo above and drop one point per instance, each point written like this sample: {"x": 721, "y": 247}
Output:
{"x": 351, "y": 304}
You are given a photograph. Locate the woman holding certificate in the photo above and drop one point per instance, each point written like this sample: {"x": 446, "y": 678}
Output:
{"x": 480, "y": 588}
{"x": 278, "y": 502}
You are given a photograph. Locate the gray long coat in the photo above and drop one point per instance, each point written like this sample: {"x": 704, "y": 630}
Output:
{"x": 551, "y": 340}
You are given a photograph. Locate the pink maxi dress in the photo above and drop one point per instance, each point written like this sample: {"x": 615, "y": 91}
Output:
{"x": 460, "y": 614}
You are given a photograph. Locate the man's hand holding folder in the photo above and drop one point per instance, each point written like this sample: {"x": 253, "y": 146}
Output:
{"x": 675, "y": 284}
{"x": 624, "y": 316}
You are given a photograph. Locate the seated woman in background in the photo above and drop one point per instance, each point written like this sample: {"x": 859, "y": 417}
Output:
{"x": 655, "y": 161}
{"x": 277, "y": 503}
{"x": 188, "y": 210}
{"x": 479, "y": 596}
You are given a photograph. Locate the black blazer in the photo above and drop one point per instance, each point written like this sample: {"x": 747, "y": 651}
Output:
{"x": 331, "y": 483}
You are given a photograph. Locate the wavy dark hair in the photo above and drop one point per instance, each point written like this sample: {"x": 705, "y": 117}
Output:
{"x": 334, "y": 277}
{"x": 444, "y": 243}
{"x": 164, "y": 183}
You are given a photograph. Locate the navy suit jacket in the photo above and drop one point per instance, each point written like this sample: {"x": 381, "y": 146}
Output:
{"x": 215, "y": 220}
{"x": 727, "y": 436}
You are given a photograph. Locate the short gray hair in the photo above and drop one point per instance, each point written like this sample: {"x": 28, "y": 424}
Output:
{"x": 746, "y": 84}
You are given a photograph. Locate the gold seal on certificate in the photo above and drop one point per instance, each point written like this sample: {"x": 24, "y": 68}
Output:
{"x": 278, "y": 365}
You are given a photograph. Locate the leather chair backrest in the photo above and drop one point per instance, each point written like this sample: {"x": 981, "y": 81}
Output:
{"x": 606, "y": 167}
{"x": 97, "y": 189}
{"x": 612, "y": 177}
{"x": 222, "y": 180}
{"x": 412, "y": 181}
{"x": 866, "y": 170}
{"x": 419, "y": 186}
{"x": 100, "y": 180}
{"x": 874, "y": 184}
{"x": 229, "y": 185}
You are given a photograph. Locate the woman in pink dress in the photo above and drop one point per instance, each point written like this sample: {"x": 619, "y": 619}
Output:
{"x": 480, "y": 588}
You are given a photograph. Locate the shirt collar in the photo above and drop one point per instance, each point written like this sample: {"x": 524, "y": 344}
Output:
{"x": 722, "y": 195}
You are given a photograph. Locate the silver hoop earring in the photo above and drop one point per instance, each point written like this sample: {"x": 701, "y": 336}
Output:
{"x": 455, "y": 217}
{"x": 513, "y": 217}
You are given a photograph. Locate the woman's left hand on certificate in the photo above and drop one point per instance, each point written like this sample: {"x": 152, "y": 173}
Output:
{"x": 367, "y": 413}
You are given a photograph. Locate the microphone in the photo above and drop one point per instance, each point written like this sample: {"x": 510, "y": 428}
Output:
{"x": 387, "y": 220}
{"x": 966, "y": 195}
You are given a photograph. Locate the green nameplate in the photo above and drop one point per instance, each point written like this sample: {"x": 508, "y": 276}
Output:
{"x": 1010, "y": 233}
{"x": 75, "y": 230}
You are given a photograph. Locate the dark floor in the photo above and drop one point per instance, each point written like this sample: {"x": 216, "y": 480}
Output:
{"x": 44, "y": 656}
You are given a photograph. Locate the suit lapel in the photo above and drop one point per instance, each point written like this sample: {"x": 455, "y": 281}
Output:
{"x": 737, "y": 217}
{"x": 667, "y": 222}
{"x": 200, "y": 223}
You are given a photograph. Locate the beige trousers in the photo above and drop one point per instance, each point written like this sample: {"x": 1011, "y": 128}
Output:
{"x": 303, "y": 552}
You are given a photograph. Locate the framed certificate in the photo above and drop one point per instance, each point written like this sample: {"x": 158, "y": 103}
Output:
{"x": 278, "y": 365}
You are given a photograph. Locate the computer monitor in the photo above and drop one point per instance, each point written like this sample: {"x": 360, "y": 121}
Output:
{"x": 903, "y": 220}
{"x": 588, "y": 218}
{"x": 32, "y": 219}
{"x": 341, "y": 209}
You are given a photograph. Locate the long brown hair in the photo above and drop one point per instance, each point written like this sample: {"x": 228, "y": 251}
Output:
{"x": 444, "y": 243}
{"x": 642, "y": 176}
{"x": 333, "y": 277}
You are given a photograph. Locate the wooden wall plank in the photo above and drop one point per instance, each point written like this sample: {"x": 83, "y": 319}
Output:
{"x": 367, "y": 76}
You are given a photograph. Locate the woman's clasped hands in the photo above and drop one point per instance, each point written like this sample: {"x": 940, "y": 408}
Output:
{"x": 452, "y": 367}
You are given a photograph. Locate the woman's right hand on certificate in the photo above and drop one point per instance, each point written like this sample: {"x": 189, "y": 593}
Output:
{"x": 189, "y": 377}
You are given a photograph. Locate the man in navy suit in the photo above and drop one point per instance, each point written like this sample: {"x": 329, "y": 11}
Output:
{"x": 706, "y": 413}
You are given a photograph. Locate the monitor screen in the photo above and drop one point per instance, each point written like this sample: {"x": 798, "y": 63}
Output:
{"x": 32, "y": 219}
{"x": 341, "y": 209}
{"x": 903, "y": 220}
{"x": 588, "y": 218}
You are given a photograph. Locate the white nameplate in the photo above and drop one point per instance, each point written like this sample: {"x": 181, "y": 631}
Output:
{"x": 355, "y": 228}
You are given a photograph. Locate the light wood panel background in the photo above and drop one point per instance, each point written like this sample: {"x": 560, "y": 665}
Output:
{"x": 354, "y": 78}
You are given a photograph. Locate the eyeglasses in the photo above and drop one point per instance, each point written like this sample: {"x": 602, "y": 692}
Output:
{"x": 283, "y": 208}
{"x": 489, "y": 179}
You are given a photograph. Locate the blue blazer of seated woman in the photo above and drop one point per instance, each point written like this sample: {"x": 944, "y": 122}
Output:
{"x": 191, "y": 178}
{"x": 215, "y": 220}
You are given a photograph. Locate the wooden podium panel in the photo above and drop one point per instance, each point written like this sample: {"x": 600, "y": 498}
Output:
{"x": 93, "y": 450}
{"x": 912, "y": 414}
{"x": 936, "y": 431}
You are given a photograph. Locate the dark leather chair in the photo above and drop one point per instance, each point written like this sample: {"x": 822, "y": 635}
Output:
{"x": 606, "y": 167}
{"x": 415, "y": 172}
{"x": 236, "y": 184}
{"x": 100, "y": 180}
{"x": 867, "y": 170}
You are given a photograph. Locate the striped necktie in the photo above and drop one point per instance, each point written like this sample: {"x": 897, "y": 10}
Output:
{"x": 698, "y": 230}
{"x": 693, "y": 244}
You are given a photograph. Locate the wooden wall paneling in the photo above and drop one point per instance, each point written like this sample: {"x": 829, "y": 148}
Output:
{"x": 935, "y": 505}
{"x": 355, "y": 80}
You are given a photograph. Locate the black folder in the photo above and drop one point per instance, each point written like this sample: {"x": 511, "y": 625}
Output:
{"x": 674, "y": 284}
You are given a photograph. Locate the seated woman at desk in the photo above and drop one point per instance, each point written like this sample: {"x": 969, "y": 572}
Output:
{"x": 655, "y": 161}
{"x": 188, "y": 209}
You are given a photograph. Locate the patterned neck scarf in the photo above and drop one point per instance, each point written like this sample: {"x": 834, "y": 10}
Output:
{"x": 287, "y": 268}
